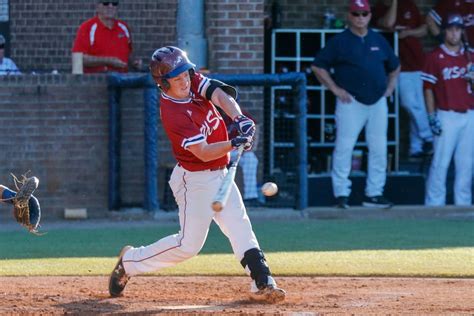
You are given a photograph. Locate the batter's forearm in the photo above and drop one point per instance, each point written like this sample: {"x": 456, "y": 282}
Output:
{"x": 226, "y": 103}
{"x": 429, "y": 100}
{"x": 208, "y": 152}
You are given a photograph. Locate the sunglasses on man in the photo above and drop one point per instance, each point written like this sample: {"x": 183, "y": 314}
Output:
{"x": 357, "y": 14}
{"x": 106, "y": 3}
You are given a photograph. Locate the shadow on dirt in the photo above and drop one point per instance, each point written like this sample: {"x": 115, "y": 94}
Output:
{"x": 105, "y": 305}
{"x": 88, "y": 306}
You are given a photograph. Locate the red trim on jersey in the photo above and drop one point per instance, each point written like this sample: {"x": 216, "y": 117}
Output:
{"x": 443, "y": 73}
{"x": 192, "y": 121}
{"x": 94, "y": 38}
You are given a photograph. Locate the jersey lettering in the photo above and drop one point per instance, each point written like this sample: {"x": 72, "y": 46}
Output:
{"x": 210, "y": 124}
{"x": 453, "y": 72}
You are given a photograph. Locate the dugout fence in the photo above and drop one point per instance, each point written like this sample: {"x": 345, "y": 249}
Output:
{"x": 294, "y": 186}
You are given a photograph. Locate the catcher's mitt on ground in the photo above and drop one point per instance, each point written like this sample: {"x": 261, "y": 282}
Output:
{"x": 26, "y": 208}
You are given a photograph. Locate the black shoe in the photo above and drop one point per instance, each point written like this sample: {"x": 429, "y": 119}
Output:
{"x": 342, "y": 202}
{"x": 428, "y": 148}
{"x": 118, "y": 279}
{"x": 378, "y": 201}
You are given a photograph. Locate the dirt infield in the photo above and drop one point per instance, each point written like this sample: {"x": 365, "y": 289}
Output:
{"x": 228, "y": 295}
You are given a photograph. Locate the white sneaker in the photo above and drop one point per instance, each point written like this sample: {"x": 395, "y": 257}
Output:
{"x": 271, "y": 293}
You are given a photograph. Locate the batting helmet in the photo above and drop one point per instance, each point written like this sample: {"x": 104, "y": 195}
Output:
{"x": 453, "y": 19}
{"x": 168, "y": 62}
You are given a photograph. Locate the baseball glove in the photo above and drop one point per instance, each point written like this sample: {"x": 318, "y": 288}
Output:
{"x": 26, "y": 208}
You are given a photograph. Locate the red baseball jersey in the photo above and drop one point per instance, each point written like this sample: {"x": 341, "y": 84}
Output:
{"x": 410, "y": 48}
{"x": 192, "y": 121}
{"x": 94, "y": 38}
{"x": 463, "y": 7}
{"x": 443, "y": 73}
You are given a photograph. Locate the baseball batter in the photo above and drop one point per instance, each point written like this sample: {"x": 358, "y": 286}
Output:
{"x": 200, "y": 144}
{"x": 449, "y": 100}
{"x": 359, "y": 57}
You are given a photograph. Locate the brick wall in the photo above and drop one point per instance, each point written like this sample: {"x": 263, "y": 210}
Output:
{"x": 56, "y": 126}
{"x": 42, "y": 31}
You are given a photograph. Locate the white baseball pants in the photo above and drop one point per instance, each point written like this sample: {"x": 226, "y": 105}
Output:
{"x": 351, "y": 118}
{"x": 248, "y": 164}
{"x": 194, "y": 192}
{"x": 455, "y": 139}
{"x": 413, "y": 101}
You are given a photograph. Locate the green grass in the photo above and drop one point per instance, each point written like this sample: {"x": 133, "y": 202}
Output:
{"x": 339, "y": 247}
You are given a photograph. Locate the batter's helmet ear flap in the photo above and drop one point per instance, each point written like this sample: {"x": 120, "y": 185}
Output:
{"x": 165, "y": 84}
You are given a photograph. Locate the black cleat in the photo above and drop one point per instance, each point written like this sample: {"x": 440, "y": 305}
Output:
{"x": 377, "y": 202}
{"x": 118, "y": 279}
{"x": 342, "y": 202}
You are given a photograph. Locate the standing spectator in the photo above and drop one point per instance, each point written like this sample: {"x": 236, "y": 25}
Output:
{"x": 448, "y": 99}
{"x": 360, "y": 58}
{"x": 465, "y": 8}
{"x": 7, "y": 66}
{"x": 403, "y": 16}
{"x": 248, "y": 161}
{"x": 105, "y": 41}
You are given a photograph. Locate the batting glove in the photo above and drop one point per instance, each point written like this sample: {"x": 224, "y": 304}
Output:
{"x": 245, "y": 141}
{"x": 435, "y": 124}
{"x": 245, "y": 125}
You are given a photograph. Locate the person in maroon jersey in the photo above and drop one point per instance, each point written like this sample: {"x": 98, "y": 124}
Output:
{"x": 403, "y": 16}
{"x": 105, "y": 41}
{"x": 201, "y": 146}
{"x": 440, "y": 11}
{"x": 449, "y": 100}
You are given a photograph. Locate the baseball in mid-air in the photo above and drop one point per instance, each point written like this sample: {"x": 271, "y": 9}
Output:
{"x": 269, "y": 188}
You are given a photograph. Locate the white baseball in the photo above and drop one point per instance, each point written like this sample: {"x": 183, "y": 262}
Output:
{"x": 269, "y": 188}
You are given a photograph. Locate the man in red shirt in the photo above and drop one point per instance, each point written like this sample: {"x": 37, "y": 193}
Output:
{"x": 465, "y": 8}
{"x": 105, "y": 41}
{"x": 403, "y": 16}
{"x": 201, "y": 146}
{"x": 449, "y": 99}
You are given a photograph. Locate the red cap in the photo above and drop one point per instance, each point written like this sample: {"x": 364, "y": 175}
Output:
{"x": 359, "y": 5}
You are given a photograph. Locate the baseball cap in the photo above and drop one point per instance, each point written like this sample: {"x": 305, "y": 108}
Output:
{"x": 453, "y": 19}
{"x": 2, "y": 40}
{"x": 359, "y": 5}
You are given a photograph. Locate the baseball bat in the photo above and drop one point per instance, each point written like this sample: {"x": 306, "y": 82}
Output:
{"x": 220, "y": 199}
